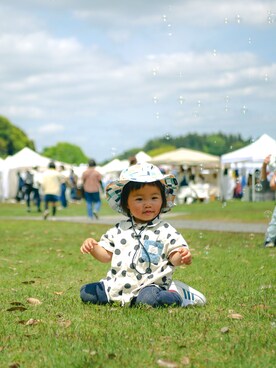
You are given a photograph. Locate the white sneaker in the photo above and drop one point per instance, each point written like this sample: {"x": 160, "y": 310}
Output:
{"x": 46, "y": 214}
{"x": 189, "y": 295}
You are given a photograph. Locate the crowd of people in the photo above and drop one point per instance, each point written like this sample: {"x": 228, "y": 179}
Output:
{"x": 49, "y": 187}
{"x": 58, "y": 187}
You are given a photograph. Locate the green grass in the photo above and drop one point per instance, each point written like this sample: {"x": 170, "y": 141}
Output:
{"x": 41, "y": 259}
{"x": 234, "y": 210}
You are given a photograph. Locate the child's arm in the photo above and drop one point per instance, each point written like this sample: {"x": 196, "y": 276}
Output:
{"x": 181, "y": 256}
{"x": 91, "y": 246}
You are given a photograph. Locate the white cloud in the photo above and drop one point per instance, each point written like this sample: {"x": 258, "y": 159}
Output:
{"x": 95, "y": 70}
{"x": 50, "y": 128}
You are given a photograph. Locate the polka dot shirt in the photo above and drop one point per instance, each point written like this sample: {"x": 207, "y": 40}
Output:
{"x": 140, "y": 257}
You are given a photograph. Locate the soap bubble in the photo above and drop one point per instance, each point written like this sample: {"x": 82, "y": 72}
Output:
{"x": 238, "y": 19}
{"x": 258, "y": 187}
{"x": 181, "y": 100}
{"x": 267, "y": 214}
{"x": 244, "y": 110}
{"x": 271, "y": 18}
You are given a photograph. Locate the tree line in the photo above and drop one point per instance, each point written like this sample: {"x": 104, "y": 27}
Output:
{"x": 13, "y": 139}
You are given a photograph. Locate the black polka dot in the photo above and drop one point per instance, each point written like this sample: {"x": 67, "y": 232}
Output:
{"x": 119, "y": 264}
{"x": 136, "y": 247}
{"x": 146, "y": 237}
{"x": 150, "y": 276}
{"x": 164, "y": 279}
{"x": 148, "y": 270}
{"x": 123, "y": 241}
{"x": 141, "y": 260}
{"x": 113, "y": 271}
{"x": 173, "y": 241}
{"x": 120, "y": 292}
{"x": 117, "y": 252}
{"x": 166, "y": 225}
{"x": 157, "y": 232}
{"x": 132, "y": 266}
{"x": 168, "y": 236}
{"x": 127, "y": 286}
{"x": 124, "y": 273}
{"x": 139, "y": 277}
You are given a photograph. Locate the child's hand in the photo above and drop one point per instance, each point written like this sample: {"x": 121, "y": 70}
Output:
{"x": 186, "y": 257}
{"x": 88, "y": 245}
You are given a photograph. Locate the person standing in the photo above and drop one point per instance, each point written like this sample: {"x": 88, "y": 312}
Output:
{"x": 20, "y": 187}
{"x": 63, "y": 187}
{"x": 51, "y": 182}
{"x": 28, "y": 188}
{"x": 36, "y": 188}
{"x": 92, "y": 183}
{"x": 270, "y": 235}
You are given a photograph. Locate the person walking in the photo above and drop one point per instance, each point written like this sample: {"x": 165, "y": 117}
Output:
{"x": 92, "y": 183}
{"x": 50, "y": 185}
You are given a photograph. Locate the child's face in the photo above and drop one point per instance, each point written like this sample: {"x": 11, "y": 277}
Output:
{"x": 145, "y": 203}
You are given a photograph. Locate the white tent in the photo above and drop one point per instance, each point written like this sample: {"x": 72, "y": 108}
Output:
{"x": 115, "y": 165}
{"x": 22, "y": 160}
{"x": 1, "y": 179}
{"x": 142, "y": 157}
{"x": 255, "y": 152}
{"x": 185, "y": 156}
{"x": 251, "y": 156}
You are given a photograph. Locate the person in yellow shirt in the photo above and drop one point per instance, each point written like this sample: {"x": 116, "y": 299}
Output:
{"x": 51, "y": 182}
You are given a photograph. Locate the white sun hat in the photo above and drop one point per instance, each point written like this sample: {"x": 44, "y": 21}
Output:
{"x": 141, "y": 173}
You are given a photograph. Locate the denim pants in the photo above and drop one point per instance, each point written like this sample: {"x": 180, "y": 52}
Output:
{"x": 63, "y": 199}
{"x": 270, "y": 235}
{"x": 151, "y": 295}
{"x": 92, "y": 199}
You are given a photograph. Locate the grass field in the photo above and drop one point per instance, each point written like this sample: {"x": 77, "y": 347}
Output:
{"x": 234, "y": 210}
{"x": 41, "y": 260}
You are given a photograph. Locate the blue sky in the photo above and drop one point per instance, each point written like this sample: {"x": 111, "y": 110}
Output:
{"x": 110, "y": 75}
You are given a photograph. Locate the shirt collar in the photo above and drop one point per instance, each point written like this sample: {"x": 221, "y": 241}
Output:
{"x": 127, "y": 224}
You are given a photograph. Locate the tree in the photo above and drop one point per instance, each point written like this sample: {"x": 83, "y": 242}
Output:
{"x": 12, "y": 138}
{"x": 65, "y": 152}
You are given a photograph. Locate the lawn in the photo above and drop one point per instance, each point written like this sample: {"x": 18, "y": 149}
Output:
{"x": 41, "y": 260}
{"x": 234, "y": 210}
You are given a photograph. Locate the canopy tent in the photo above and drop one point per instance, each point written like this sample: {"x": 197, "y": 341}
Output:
{"x": 251, "y": 157}
{"x": 142, "y": 157}
{"x": 26, "y": 158}
{"x": 255, "y": 152}
{"x": 115, "y": 165}
{"x": 185, "y": 156}
{"x": 20, "y": 161}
